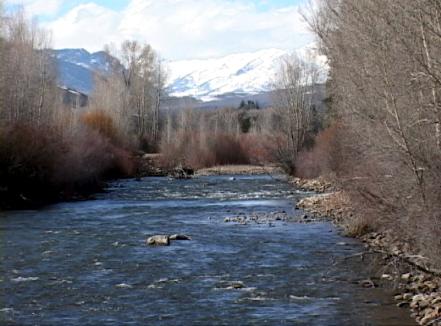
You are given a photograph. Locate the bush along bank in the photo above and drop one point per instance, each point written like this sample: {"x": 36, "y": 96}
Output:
{"x": 416, "y": 280}
{"x": 43, "y": 165}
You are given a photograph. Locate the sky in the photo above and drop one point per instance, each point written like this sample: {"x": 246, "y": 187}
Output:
{"x": 177, "y": 29}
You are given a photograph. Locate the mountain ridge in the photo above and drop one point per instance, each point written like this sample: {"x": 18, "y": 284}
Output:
{"x": 241, "y": 73}
{"x": 203, "y": 79}
{"x": 76, "y": 68}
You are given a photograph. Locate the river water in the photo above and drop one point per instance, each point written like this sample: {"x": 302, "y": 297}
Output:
{"x": 86, "y": 263}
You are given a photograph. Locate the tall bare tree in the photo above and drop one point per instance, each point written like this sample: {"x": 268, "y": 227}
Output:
{"x": 27, "y": 81}
{"x": 134, "y": 89}
{"x": 295, "y": 86}
{"x": 143, "y": 79}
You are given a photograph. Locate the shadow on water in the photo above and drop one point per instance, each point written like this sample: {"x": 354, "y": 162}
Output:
{"x": 87, "y": 262}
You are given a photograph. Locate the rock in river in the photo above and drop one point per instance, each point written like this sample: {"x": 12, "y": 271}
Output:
{"x": 179, "y": 237}
{"x": 236, "y": 285}
{"x": 159, "y": 240}
{"x": 164, "y": 240}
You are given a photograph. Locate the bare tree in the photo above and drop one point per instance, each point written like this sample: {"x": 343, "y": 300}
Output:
{"x": 295, "y": 86}
{"x": 134, "y": 89}
{"x": 143, "y": 78}
{"x": 27, "y": 82}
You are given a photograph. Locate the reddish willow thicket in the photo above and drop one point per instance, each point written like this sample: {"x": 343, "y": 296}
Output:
{"x": 200, "y": 138}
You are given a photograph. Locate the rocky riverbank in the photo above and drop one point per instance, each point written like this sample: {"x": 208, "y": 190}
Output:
{"x": 417, "y": 284}
{"x": 319, "y": 185}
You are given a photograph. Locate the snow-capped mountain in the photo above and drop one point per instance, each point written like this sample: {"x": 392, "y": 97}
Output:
{"x": 76, "y": 68}
{"x": 204, "y": 79}
{"x": 244, "y": 73}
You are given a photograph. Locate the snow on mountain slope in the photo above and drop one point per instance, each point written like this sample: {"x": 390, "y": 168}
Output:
{"x": 244, "y": 73}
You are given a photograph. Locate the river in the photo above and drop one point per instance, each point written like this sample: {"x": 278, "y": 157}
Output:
{"x": 86, "y": 263}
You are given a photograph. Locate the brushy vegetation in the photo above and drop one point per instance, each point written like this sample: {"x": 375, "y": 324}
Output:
{"x": 41, "y": 165}
{"x": 321, "y": 158}
{"x": 199, "y": 139}
{"x": 199, "y": 150}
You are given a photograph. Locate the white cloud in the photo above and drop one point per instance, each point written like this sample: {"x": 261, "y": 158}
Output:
{"x": 183, "y": 28}
{"x": 86, "y": 26}
{"x": 39, "y": 7}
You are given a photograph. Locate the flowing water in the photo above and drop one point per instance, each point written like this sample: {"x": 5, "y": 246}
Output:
{"x": 87, "y": 262}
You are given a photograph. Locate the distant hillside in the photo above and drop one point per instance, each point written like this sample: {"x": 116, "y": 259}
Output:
{"x": 76, "y": 67}
{"x": 264, "y": 99}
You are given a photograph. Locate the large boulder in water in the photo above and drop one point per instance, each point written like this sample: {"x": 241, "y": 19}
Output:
{"x": 159, "y": 240}
{"x": 164, "y": 240}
